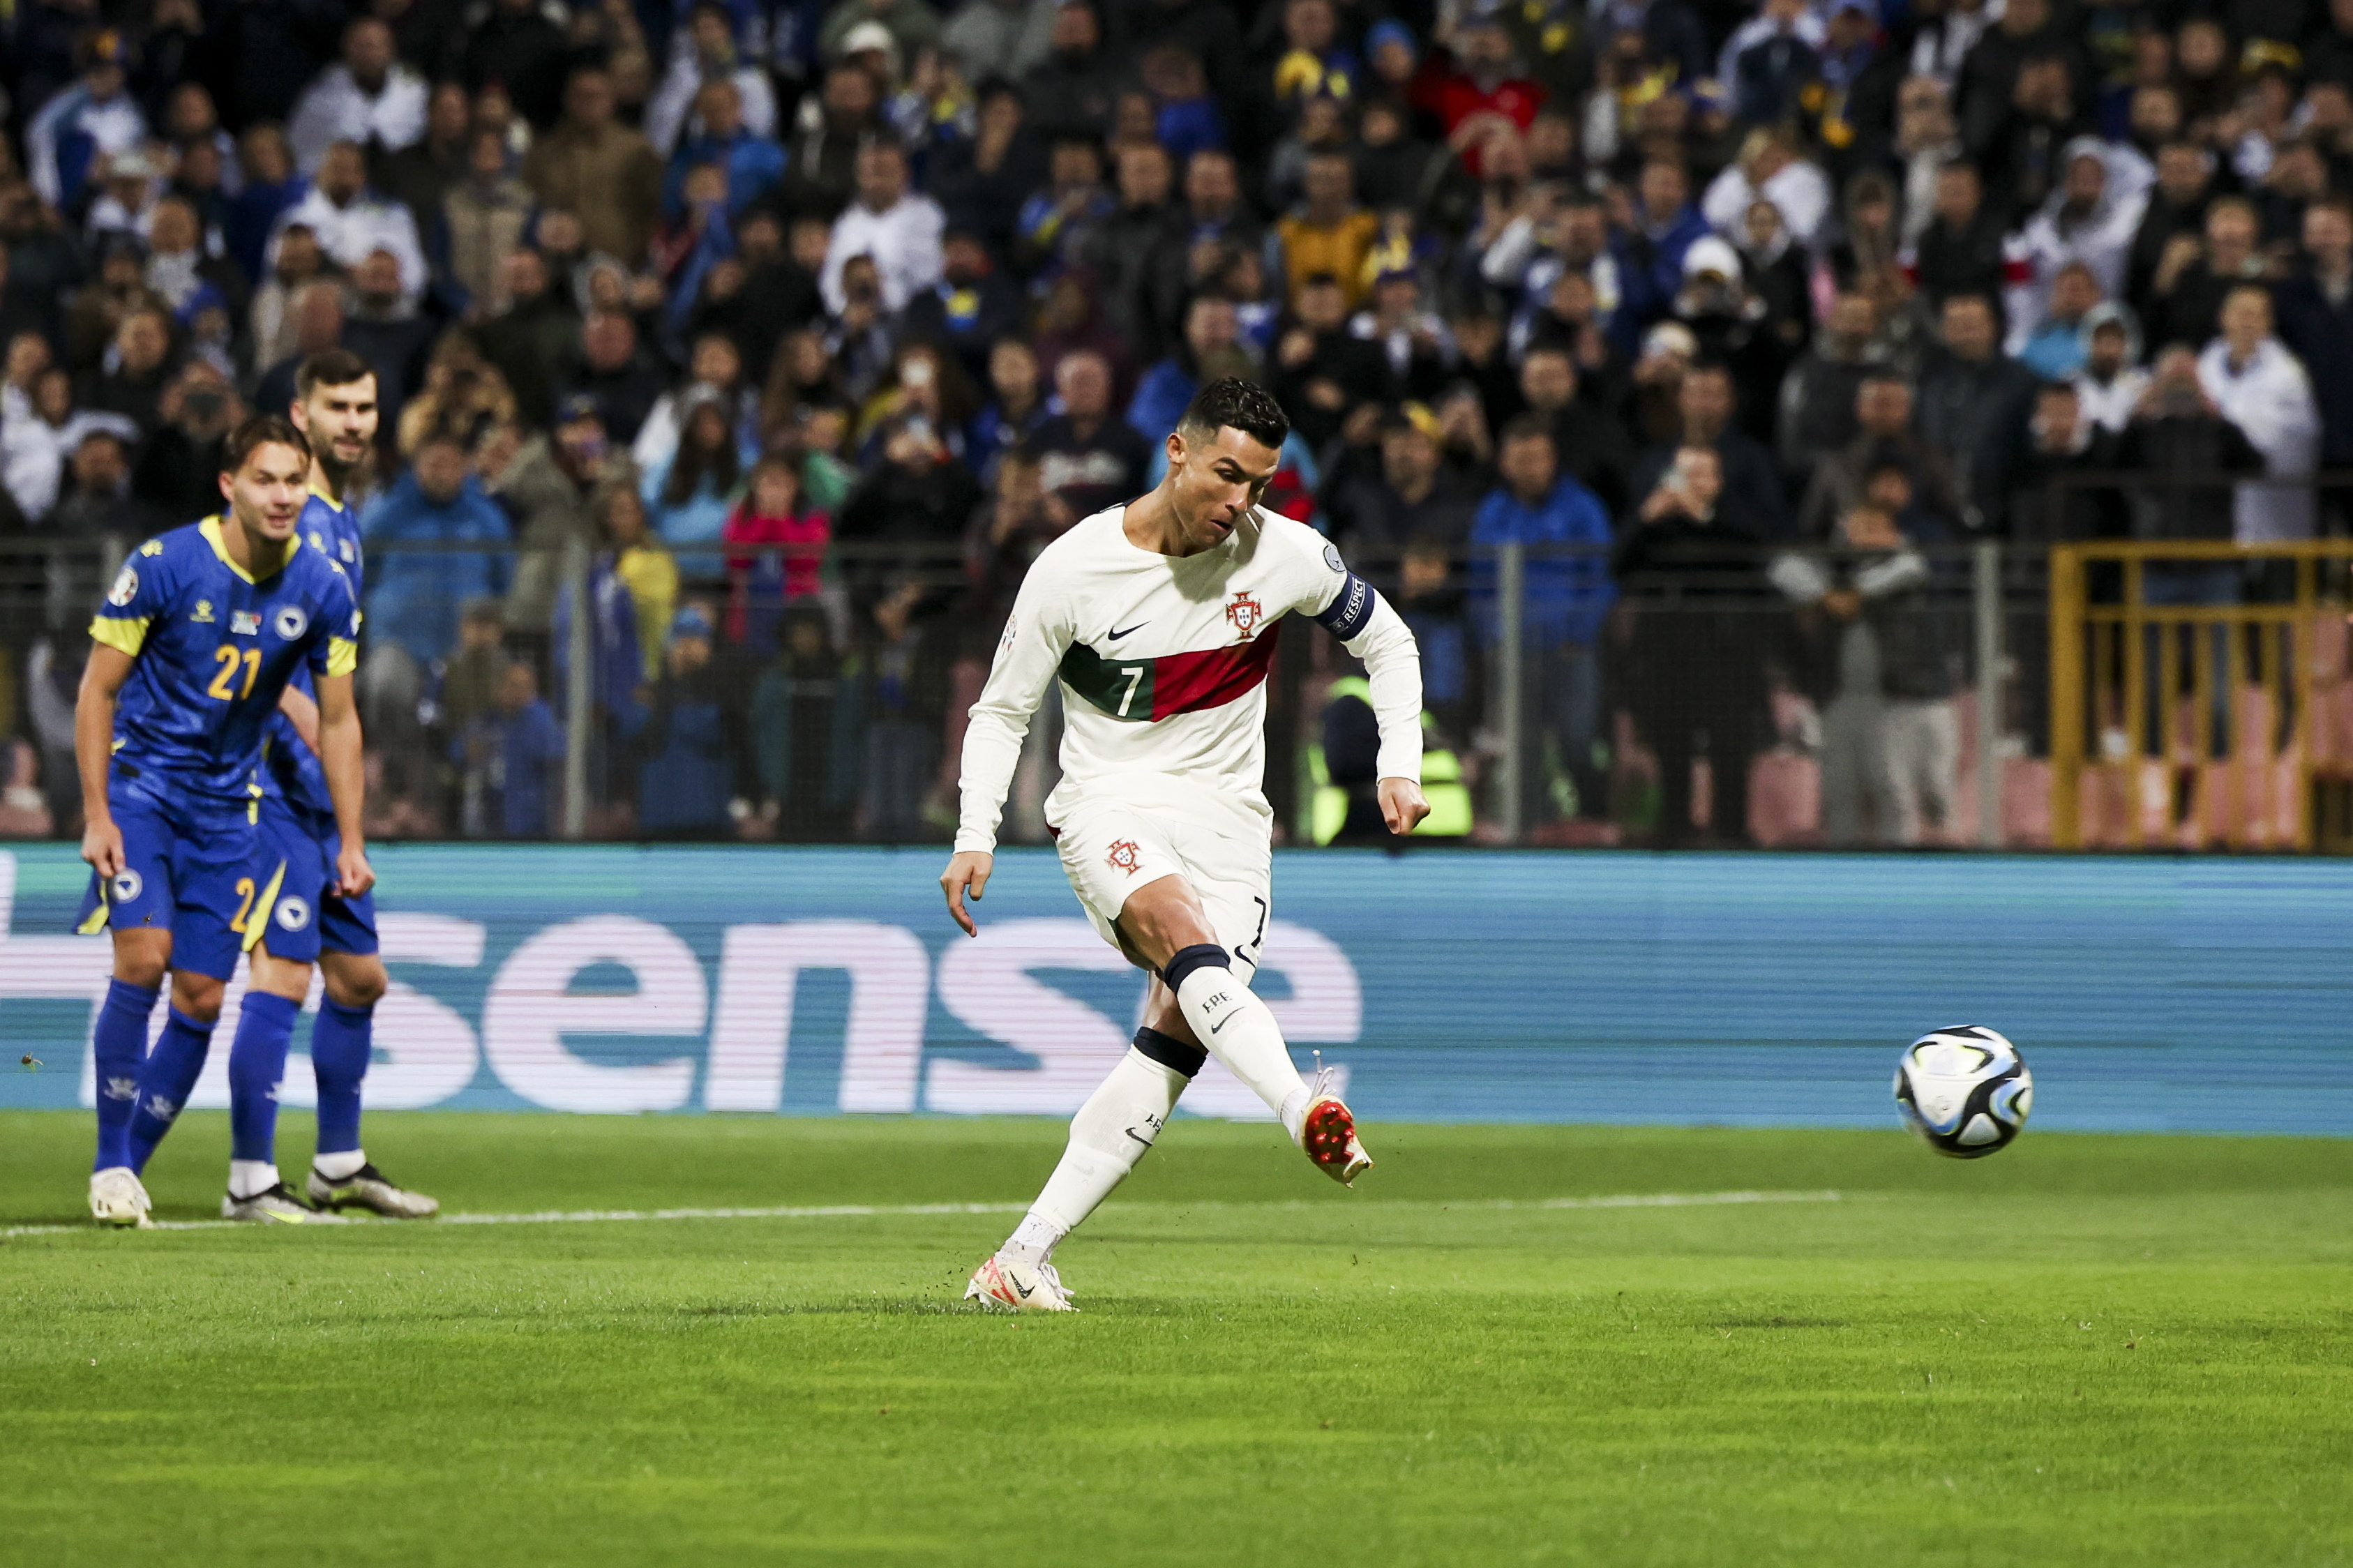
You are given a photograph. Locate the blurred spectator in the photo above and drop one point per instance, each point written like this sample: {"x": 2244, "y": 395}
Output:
{"x": 907, "y": 26}
{"x": 900, "y": 229}
{"x": 617, "y": 375}
{"x": 483, "y": 217}
{"x": 1070, "y": 92}
{"x": 70, "y": 137}
{"x": 603, "y": 171}
{"x": 1649, "y": 251}
{"x": 1411, "y": 498}
{"x": 534, "y": 336}
{"x": 689, "y": 738}
{"x": 99, "y": 309}
{"x": 178, "y": 471}
{"x": 39, "y": 439}
{"x": 752, "y": 160}
{"x": 1884, "y": 679}
{"x": 1567, "y": 593}
{"x": 2057, "y": 346}
{"x": 1771, "y": 169}
{"x": 517, "y": 47}
{"x": 413, "y": 595}
{"x": 1002, "y": 38}
{"x": 1960, "y": 251}
{"x": 2109, "y": 384}
{"x": 1014, "y": 408}
{"x": 1691, "y": 675}
{"x": 1206, "y": 350}
{"x": 462, "y": 397}
{"x": 972, "y": 306}
{"x": 1883, "y": 408}
{"x": 778, "y": 557}
{"x": 2089, "y": 222}
{"x": 2316, "y": 324}
{"x": 272, "y": 185}
{"x": 1752, "y": 486}
{"x": 805, "y": 733}
{"x": 706, "y": 56}
{"x": 2259, "y": 387}
{"x": 179, "y": 267}
{"x": 132, "y": 376}
{"x": 831, "y": 126}
{"x": 1058, "y": 224}
{"x": 2065, "y": 442}
{"x": 894, "y": 681}
{"x": 1089, "y": 459}
{"x": 2193, "y": 276}
{"x": 1321, "y": 370}
{"x": 353, "y": 222}
{"x": 512, "y": 758}
{"x": 420, "y": 173}
{"x": 296, "y": 264}
{"x": 1817, "y": 399}
{"x": 382, "y": 327}
{"x": 714, "y": 374}
{"x": 545, "y": 484}
{"x": 982, "y": 181}
{"x": 640, "y": 564}
{"x": 2180, "y": 436}
{"x": 1434, "y": 608}
{"x": 1973, "y": 403}
{"x": 1598, "y": 452}
{"x": 687, "y": 496}
{"x": 917, "y": 494}
{"x": 96, "y": 502}
{"x": 370, "y": 99}
{"x": 1330, "y": 234}
{"x": 2177, "y": 209}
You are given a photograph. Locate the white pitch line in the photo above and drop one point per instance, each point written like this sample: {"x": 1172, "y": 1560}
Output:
{"x": 886, "y": 1211}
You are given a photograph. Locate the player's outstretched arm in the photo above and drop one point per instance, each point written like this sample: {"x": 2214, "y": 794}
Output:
{"x": 341, "y": 755}
{"x": 101, "y": 683}
{"x": 968, "y": 872}
{"x": 1368, "y": 628}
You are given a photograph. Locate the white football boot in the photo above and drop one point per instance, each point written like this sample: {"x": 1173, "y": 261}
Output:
{"x": 1328, "y": 1131}
{"x": 370, "y": 1189}
{"x": 274, "y": 1205}
{"x": 1004, "y": 1284}
{"x": 117, "y": 1197}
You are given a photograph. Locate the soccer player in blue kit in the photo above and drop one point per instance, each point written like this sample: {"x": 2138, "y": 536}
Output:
{"x": 197, "y": 637}
{"x": 302, "y": 919}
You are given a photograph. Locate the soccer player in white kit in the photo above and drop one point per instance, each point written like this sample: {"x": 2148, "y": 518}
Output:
{"x": 1160, "y": 618}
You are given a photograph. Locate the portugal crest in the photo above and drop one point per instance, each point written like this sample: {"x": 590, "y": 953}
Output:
{"x": 1247, "y": 614}
{"x": 1123, "y": 855}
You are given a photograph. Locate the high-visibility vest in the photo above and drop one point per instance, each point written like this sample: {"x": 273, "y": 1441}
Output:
{"x": 1441, "y": 780}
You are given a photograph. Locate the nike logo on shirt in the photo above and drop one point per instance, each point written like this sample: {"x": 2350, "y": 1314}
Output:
{"x": 1115, "y": 636}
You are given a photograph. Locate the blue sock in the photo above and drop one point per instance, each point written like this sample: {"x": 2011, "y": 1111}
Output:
{"x": 119, "y": 1044}
{"x": 342, "y": 1042}
{"x": 257, "y": 1062}
{"x": 166, "y": 1082}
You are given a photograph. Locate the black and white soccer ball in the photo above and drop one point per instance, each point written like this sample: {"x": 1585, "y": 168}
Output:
{"x": 1965, "y": 1090}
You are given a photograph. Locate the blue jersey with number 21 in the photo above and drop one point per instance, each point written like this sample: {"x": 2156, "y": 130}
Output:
{"x": 212, "y": 648}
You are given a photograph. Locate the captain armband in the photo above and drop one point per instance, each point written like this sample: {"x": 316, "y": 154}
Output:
{"x": 1351, "y": 609}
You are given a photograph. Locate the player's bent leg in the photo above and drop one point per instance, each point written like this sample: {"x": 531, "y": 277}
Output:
{"x": 1228, "y": 1018}
{"x": 257, "y": 1066}
{"x": 1115, "y": 1130}
{"x": 341, "y": 1041}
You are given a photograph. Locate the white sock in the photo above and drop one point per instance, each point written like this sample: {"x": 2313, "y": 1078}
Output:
{"x": 335, "y": 1167}
{"x": 250, "y": 1178}
{"x": 1234, "y": 1024}
{"x": 1112, "y": 1131}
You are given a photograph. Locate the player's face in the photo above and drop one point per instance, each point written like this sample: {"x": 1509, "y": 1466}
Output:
{"x": 266, "y": 492}
{"x": 1217, "y": 483}
{"x": 340, "y": 422}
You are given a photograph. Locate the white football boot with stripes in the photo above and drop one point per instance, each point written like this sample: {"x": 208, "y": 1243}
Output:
{"x": 117, "y": 1197}
{"x": 1008, "y": 1285}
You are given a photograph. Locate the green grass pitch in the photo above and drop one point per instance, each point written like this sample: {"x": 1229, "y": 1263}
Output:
{"x": 2084, "y": 1351}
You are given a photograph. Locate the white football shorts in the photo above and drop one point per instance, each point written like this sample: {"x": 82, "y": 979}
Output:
{"x": 1110, "y": 848}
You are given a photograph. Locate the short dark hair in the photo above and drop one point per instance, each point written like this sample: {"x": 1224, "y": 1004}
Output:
{"x": 1528, "y": 427}
{"x": 330, "y": 367}
{"x": 261, "y": 430}
{"x": 1231, "y": 401}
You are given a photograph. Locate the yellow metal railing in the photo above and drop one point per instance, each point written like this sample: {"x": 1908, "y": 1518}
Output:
{"x": 2250, "y": 746}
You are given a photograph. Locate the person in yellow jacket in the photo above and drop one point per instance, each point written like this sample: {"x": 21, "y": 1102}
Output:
{"x": 1343, "y": 808}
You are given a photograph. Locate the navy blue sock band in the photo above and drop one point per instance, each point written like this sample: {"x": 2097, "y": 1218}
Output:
{"x": 1170, "y": 1052}
{"x": 1204, "y": 955}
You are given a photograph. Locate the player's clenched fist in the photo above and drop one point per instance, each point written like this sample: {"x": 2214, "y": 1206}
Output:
{"x": 102, "y": 846}
{"x": 1402, "y": 806}
{"x": 967, "y": 870}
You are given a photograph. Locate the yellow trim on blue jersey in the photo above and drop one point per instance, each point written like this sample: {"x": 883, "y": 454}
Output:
{"x": 323, "y": 496}
{"x": 343, "y": 656}
{"x": 98, "y": 917}
{"x": 257, "y": 921}
{"x": 211, "y": 529}
{"x": 123, "y": 633}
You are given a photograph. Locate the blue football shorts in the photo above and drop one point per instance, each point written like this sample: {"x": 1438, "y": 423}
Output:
{"x": 297, "y": 916}
{"x": 188, "y": 864}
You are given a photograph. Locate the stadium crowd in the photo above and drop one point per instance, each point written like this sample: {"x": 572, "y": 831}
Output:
{"x": 812, "y": 323}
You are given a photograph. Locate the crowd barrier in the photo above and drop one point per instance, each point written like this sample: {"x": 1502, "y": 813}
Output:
{"x": 1453, "y": 984}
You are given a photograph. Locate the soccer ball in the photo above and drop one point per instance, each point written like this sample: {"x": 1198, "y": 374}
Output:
{"x": 1966, "y": 1090}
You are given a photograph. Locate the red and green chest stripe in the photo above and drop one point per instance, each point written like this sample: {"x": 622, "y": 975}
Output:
{"x": 1143, "y": 691}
